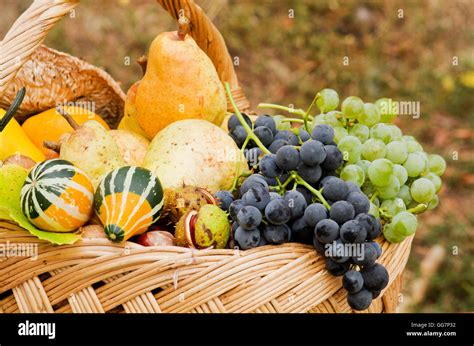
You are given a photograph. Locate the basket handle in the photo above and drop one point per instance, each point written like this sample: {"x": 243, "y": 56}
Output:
{"x": 27, "y": 34}
{"x": 31, "y": 28}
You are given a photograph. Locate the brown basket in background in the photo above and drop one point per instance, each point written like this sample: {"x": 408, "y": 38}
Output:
{"x": 96, "y": 275}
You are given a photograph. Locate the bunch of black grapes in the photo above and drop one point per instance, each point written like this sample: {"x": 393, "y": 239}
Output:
{"x": 345, "y": 237}
{"x": 312, "y": 156}
{"x": 282, "y": 202}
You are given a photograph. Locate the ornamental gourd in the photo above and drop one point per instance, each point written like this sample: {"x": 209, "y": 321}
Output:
{"x": 57, "y": 196}
{"x": 128, "y": 200}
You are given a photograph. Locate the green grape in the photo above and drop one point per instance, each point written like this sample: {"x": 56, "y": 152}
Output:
{"x": 414, "y": 165}
{"x": 352, "y": 107}
{"x": 433, "y": 203}
{"x": 328, "y": 100}
{"x": 436, "y": 164}
{"x": 397, "y": 151}
{"x": 368, "y": 188}
{"x": 339, "y": 133}
{"x": 394, "y": 206}
{"x": 373, "y": 149}
{"x": 405, "y": 194}
{"x": 413, "y": 204}
{"x": 364, "y": 164}
{"x": 396, "y": 132}
{"x": 424, "y": 158}
{"x": 381, "y": 131}
{"x": 376, "y": 201}
{"x": 389, "y": 234}
{"x": 387, "y": 109}
{"x": 374, "y": 210}
{"x": 408, "y": 138}
{"x": 391, "y": 190}
{"x": 380, "y": 171}
{"x": 401, "y": 173}
{"x": 281, "y": 125}
{"x": 351, "y": 148}
{"x": 436, "y": 180}
{"x": 423, "y": 154}
{"x": 360, "y": 131}
{"x": 422, "y": 190}
{"x": 404, "y": 224}
{"x": 370, "y": 116}
{"x": 319, "y": 120}
{"x": 332, "y": 118}
{"x": 353, "y": 173}
{"x": 414, "y": 146}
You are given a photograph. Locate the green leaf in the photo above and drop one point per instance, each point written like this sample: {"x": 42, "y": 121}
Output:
{"x": 12, "y": 178}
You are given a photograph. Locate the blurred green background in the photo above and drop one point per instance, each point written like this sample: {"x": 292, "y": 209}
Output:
{"x": 288, "y": 50}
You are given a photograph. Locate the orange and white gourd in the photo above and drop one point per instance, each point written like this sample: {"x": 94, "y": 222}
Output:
{"x": 128, "y": 201}
{"x": 57, "y": 196}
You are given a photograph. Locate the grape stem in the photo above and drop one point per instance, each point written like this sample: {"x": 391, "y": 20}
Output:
{"x": 292, "y": 120}
{"x": 297, "y": 111}
{"x": 285, "y": 184}
{"x": 247, "y": 128}
{"x": 374, "y": 195}
{"x": 420, "y": 208}
{"x": 315, "y": 192}
{"x": 305, "y": 117}
{"x": 237, "y": 176}
{"x": 385, "y": 215}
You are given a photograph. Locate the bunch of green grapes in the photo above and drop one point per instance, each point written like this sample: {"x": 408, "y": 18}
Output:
{"x": 392, "y": 169}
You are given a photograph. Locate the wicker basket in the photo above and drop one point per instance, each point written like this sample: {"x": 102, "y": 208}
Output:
{"x": 96, "y": 275}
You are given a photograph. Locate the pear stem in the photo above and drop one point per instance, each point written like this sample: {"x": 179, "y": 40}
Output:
{"x": 143, "y": 62}
{"x": 52, "y": 145}
{"x": 183, "y": 28}
{"x": 68, "y": 117}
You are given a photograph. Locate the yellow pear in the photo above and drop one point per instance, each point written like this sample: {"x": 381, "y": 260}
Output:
{"x": 180, "y": 83}
{"x": 128, "y": 121}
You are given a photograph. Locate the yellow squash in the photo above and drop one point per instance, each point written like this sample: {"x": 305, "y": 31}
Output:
{"x": 13, "y": 140}
{"x": 50, "y": 125}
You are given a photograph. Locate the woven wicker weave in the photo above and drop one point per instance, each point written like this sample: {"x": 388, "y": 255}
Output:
{"x": 96, "y": 275}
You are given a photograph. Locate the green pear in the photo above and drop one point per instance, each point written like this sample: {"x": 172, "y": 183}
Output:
{"x": 92, "y": 149}
{"x": 195, "y": 152}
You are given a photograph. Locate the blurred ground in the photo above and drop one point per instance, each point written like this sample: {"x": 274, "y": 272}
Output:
{"x": 411, "y": 51}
